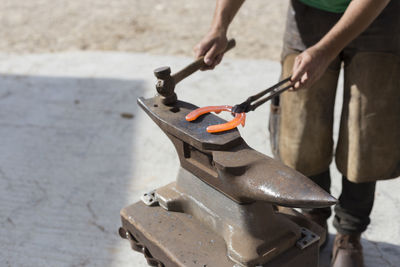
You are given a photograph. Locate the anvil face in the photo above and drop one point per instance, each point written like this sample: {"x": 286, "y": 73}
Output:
{"x": 226, "y": 163}
{"x": 171, "y": 119}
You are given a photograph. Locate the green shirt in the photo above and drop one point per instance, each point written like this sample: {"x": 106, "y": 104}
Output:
{"x": 336, "y": 6}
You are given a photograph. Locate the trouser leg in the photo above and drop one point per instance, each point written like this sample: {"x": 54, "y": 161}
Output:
{"x": 324, "y": 181}
{"x": 354, "y": 207}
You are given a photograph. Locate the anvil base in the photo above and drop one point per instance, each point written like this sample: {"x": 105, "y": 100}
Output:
{"x": 178, "y": 239}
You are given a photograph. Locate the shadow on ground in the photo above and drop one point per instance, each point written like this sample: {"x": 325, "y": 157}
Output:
{"x": 66, "y": 166}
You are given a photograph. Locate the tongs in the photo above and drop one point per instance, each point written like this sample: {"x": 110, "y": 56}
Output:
{"x": 239, "y": 110}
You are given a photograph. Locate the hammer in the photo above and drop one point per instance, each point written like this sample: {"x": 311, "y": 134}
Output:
{"x": 166, "y": 82}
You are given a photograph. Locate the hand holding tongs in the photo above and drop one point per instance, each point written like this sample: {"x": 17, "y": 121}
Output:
{"x": 239, "y": 110}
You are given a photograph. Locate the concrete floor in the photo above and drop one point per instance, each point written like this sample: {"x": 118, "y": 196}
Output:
{"x": 69, "y": 162}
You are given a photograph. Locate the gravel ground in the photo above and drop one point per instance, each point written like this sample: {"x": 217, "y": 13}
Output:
{"x": 158, "y": 27}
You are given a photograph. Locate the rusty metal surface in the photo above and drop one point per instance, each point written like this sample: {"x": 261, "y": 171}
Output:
{"x": 225, "y": 162}
{"x": 139, "y": 247}
{"x": 177, "y": 239}
{"x": 254, "y": 233}
{"x": 249, "y": 175}
{"x": 222, "y": 202}
{"x": 171, "y": 119}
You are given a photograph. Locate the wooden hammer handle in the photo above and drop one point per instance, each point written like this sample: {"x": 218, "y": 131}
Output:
{"x": 198, "y": 64}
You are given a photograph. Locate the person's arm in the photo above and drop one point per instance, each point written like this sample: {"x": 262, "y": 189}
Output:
{"x": 215, "y": 40}
{"x": 310, "y": 65}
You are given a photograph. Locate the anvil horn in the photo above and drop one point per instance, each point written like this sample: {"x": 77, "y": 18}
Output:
{"x": 260, "y": 177}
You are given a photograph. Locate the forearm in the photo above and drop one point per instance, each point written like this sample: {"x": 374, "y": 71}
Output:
{"x": 358, "y": 16}
{"x": 213, "y": 44}
{"x": 225, "y": 11}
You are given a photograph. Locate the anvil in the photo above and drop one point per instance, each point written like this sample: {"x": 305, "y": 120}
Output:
{"x": 229, "y": 206}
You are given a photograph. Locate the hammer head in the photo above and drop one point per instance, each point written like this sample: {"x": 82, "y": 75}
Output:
{"x": 165, "y": 85}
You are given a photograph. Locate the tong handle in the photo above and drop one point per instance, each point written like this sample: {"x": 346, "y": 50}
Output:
{"x": 247, "y": 105}
{"x": 265, "y": 99}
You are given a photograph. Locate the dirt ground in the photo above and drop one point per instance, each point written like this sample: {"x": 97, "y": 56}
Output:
{"x": 153, "y": 26}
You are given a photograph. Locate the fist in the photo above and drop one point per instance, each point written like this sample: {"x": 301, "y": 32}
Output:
{"x": 211, "y": 47}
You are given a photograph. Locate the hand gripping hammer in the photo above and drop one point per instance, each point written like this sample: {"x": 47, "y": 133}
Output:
{"x": 166, "y": 82}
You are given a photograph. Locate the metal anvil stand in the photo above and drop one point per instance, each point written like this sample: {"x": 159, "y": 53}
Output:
{"x": 229, "y": 205}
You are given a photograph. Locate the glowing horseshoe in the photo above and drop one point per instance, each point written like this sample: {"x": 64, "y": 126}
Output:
{"x": 239, "y": 118}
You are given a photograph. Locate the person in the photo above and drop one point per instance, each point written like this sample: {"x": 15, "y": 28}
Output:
{"x": 320, "y": 37}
